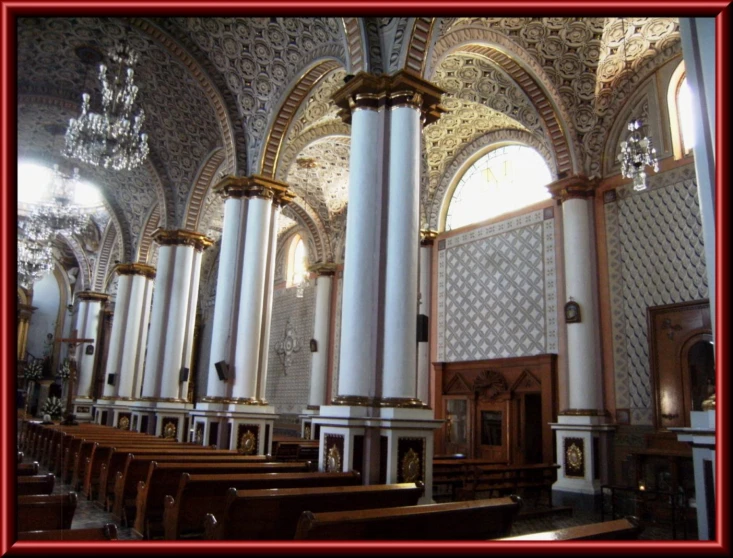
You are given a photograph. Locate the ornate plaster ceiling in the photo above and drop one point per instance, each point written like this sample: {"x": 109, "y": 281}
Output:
{"x": 260, "y": 57}
{"x": 318, "y": 108}
{"x": 180, "y": 121}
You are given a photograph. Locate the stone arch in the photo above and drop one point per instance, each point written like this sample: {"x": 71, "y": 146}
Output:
{"x": 335, "y": 128}
{"x": 526, "y": 72}
{"x": 320, "y": 251}
{"x": 416, "y": 56}
{"x": 145, "y": 245}
{"x": 103, "y": 267}
{"x": 85, "y": 267}
{"x": 437, "y": 199}
{"x": 356, "y": 45}
{"x": 206, "y": 83}
{"x": 204, "y": 181}
{"x": 283, "y": 117}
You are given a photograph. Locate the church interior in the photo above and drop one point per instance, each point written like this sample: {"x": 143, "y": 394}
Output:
{"x": 366, "y": 278}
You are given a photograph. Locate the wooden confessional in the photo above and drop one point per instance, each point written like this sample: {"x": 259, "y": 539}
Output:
{"x": 499, "y": 409}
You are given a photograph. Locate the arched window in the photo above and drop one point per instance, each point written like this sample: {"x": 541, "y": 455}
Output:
{"x": 679, "y": 103}
{"x": 297, "y": 263}
{"x": 504, "y": 179}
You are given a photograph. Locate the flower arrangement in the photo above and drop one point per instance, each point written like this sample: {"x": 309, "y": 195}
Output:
{"x": 33, "y": 369}
{"x": 65, "y": 370}
{"x": 53, "y": 407}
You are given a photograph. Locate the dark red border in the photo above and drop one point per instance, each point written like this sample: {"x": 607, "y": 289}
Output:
{"x": 11, "y": 10}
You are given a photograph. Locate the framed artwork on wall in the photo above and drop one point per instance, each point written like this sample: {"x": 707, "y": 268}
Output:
{"x": 572, "y": 312}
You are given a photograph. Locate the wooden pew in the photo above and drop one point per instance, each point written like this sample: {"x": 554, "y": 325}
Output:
{"x": 118, "y": 459}
{"x": 504, "y": 480}
{"x": 273, "y": 514}
{"x": 136, "y": 470}
{"x": 164, "y": 478}
{"x": 197, "y": 495}
{"x": 55, "y": 511}
{"x": 297, "y": 450}
{"x": 26, "y": 469}
{"x": 625, "y": 529}
{"x": 475, "y": 520}
{"x": 20, "y": 457}
{"x": 106, "y": 533}
{"x": 35, "y": 484}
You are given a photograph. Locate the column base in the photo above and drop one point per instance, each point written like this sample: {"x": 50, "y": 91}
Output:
{"x": 583, "y": 452}
{"x": 246, "y": 428}
{"x": 82, "y": 407}
{"x": 386, "y": 444}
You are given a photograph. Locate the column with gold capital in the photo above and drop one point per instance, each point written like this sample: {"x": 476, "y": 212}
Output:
{"x": 321, "y": 334}
{"x": 128, "y": 339}
{"x": 88, "y": 315}
{"x": 170, "y": 339}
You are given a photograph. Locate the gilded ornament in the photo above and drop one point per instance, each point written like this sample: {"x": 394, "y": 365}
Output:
{"x": 247, "y": 443}
{"x": 307, "y": 432}
{"x": 574, "y": 456}
{"x": 169, "y": 430}
{"x": 333, "y": 460}
{"x": 124, "y": 423}
{"x": 411, "y": 466}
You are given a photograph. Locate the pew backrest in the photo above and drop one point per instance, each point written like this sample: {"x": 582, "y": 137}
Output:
{"x": 197, "y": 495}
{"x": 27, "y": 469}
{"x": 35, "y": 484}
{"x": 476, "y": 520}
{"x": 106, "y": 533}
{"x": 274, "y": 513}
{"x": 628, "y": 528}
{"x": 55, "y": 511}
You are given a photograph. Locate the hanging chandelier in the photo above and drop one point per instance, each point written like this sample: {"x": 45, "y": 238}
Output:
{"x": 114, "y": 137}
{"x": 637, "y": 150}
{"x": 56, "y": 215}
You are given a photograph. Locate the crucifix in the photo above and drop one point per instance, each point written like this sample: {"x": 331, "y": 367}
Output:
{"x": 73, "y": 343}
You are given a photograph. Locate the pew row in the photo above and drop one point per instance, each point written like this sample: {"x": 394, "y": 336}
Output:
{"x": 106, "y": 533}
{"x": 625, "y": 529}
{"x": 27, "y": 469}
{"x": 55, "y": 511}
{"x": 35, "y": 484}
{"x": 273, "y": 514}
{"x": 197, "y": 495}
{"x": 475, "y": 520}
{"x": 163, "y": 479}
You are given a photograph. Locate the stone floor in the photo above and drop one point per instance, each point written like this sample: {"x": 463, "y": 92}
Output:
{"x": 90, "y": 514}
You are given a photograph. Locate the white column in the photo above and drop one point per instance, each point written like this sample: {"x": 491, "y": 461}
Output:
{"x": 267, "y": 310}
{"x": 584, "y": 376}
{"x": 423, "y": 307}
{"x": 156, "y": 335}
{"x": 399, "y": 379}
{"x": 698, "y": 47}
{"x": 359, "y": 315}
{"x": 90, "y": 309}
{"x": 322, "y": 335}
{"x": 227, "y": 292}
{"x": 117, "y": 336}
{"x": 135, "y": 335}
{"x": 174, "y": 308}
{"x": 249, "y": 328}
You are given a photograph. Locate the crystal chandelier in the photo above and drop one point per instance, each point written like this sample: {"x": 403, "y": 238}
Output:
{"x": 114, "y": 137}
{"x": 57, "y": 215}
{"x": 637, "y": 151}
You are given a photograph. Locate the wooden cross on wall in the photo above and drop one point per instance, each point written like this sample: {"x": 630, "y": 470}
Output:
{"x": 73, "y": 342}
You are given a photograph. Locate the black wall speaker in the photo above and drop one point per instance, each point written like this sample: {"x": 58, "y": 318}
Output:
{"x": 183, "y": 377}
{"x": 222, "y": 369}
{"x": 111, "y": 379}
{"x": 422, "y": 328}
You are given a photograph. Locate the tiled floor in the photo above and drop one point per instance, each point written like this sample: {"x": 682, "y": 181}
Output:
{"x": 90, "y": 514}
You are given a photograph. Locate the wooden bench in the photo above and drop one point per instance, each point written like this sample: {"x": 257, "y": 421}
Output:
{"x": 163, "y": 479}
{"x": 625, "y": 529}
{"x": 274, "y": 514}
{"x": 55, "y": 511}
{"x": 497, "y": 481}
{"x": 298, "y": 450}
{"x": 197, "y": 495}
{"x": 35, "y": 484}
{"x": 117, "y": 461}
{"x": 452, "y": 472}
{"x": 26, "y": 469}
{"x": 476, "y": 520}
{"x": 106, "y": 533}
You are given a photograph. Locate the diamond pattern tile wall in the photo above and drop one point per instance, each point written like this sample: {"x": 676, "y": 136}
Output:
{"x": 656, "y": 257}
{"x": 492, "y": 291}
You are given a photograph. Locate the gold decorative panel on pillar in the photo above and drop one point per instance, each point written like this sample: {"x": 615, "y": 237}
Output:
{"x": 410, "y": 459}
{"x": 123, "y": 421}
{"x": 248, "y": 438}
{"x": 170, "y": 427}
{"x": 574, "y": 450}
{"x": 334, "y": 453}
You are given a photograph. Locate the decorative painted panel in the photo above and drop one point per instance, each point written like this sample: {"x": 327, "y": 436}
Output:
{"x": 497, "y": 293}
